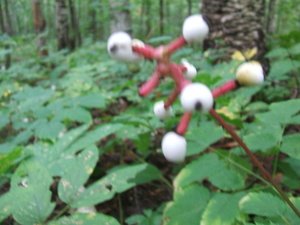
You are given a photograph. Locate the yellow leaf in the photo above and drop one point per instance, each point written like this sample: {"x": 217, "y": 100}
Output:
{"x": 248, "y": 54}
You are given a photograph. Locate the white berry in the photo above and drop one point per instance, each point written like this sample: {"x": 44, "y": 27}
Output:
{"x": 190, "y": 72}
{"x": 174, "y": 147}
{"x": 195, "y": 29}
{"x": 161, "y": 112}
{"x": 119, "y": 47}
{"x": 196, "y": 96}
{"x": 250, "y": 74}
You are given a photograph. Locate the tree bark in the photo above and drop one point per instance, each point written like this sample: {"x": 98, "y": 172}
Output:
{"x": 62, "y": 24}
{"x": 237, "y": 24}
{"x": 272, "y": 17}
{"x": 39, "y": 26}
{"x": 75, "y": 37}
{"x": 9, "y": 27}
{"x": 2, "y": 25}
{"x": 121, "y": 20}
{"x": 161, "y": 17}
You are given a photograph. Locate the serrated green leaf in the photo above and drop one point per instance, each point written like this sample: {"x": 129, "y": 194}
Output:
{"x": 277, "y": 52}
{"x": 30, "y": 186}
{"x": 188, "y": 205}
{"x": 76, "y": 113}
{"x": 290, "y": 215}
{"x": 77, "y": 173}
{"x": 211, "y": 167}
{"x": 198, "y": 169}
{"x": 117, "y": 181}
{"x": 291, "y": 145}
{"x": 3, "y": 121}
{"x": 262, "y": 204}
{"x": 227, "y": 179}
{"x": 279, "y": 68}
{"x": 86, "y": 219}
{"x": 5, "y": 206}
{"x": 33, "y": 205}
{"x": 7, "y": 160}
{"x": 93, "y": 136}
{"x": 48, "y": 130}
{"x": 202, "y": 137}
{"x": 280, "y": 112}
{"x": 263, "y": 136}
{"x": 91, "y": 101}
{"x": 222, "y": 209}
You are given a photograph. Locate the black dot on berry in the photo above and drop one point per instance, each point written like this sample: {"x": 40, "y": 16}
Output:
{"x": 113, "y": 49}
{"x": 198, "y": 106}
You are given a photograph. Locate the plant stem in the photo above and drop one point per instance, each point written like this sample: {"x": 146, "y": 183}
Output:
{"x": 227, "y": 87}
{"x": 266, "y": 174}
{"x": 121, "y": 213}
{"x": 61, "y": 212}
{"x": 176, "y": 44}
{"x": 184, "y": 123}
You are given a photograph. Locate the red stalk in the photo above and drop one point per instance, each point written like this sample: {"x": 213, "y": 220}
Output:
{"x": 177, "y": 75}
{"x": 176, "y": 44}
{"x": 172, "y": 97}
{"x": 147, "y": 51}
{"x": 148, "y": 86}
{"x": 184, "y": 123}
{"x": 227, "y": 87}
{"x": 266, "y": 174}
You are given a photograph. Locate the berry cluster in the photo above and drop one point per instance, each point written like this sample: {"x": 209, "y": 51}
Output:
{"x": 193, "y": 96}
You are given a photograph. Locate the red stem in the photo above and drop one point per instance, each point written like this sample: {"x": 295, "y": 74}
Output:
{"x": 147, "y": 51}
{"x": 177, "y": 75}
{"x": 266, "y": 174}
{"x": 176, "y": 44}
{"x": 184, "y": 123}
{"x": 227, "y": 87}
{"x": 172, "y": 97}
{"x": 147, "y": 87}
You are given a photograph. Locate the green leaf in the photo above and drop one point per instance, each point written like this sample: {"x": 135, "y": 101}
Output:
{"x": 279, "y": 68}
{"x": 262, "y": 204}
{"x": 91, "y": 101}
{"x": 117, "y": 181}
{"x": 222, "y": 209}
{"x": 211, "y": 167}
{"x": 291, "y": 145}
{"x": 290, "y": 215}
{"x": 280, "y": 112}
{"x": 3, "y": 121}
{"x": 202, "y": 137}
{"x": 277, "y": 52}
{"x": 77, "y": 173}
{"x": 48, "y": 130}
{"x": 188, "y": 205}
{"x": 5, "y": 206}
{"x": 86, "y": 219}
{"x": 263, "y": 136}
{"x": 30, "y": 186}
{"x": 77, "y": 113}
{"x": 7, "y": 160}
{"x": 93, "y": 136}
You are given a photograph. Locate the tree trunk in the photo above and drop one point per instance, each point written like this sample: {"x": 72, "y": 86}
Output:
{"x": 161, "y": 17}
{"x": 2, "y": 25}
{"x": 237, "y": 24}
{"x": 121, "y": 20}
{"x": 39, "y": 26}
{"x": 75, "y": 37}
{"x": 272, "y": 17}
{"x": 9, "y": 28}
{"x": 62, "y": 24}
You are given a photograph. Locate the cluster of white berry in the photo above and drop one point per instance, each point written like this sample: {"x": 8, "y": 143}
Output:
{"x": 193, "y": 96}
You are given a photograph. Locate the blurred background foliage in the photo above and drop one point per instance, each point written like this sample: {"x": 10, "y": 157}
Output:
{"x": 75, "y": 135}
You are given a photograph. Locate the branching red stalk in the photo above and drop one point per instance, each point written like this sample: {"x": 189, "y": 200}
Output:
{"x": 176, "y": 44}
{"x": 172, "y": 97}
{"x": 266, "y": 174}
{"x": 147, "y": 51}
{"x": 184, "y": 123}
{"x": 147, "y": 87}
{"x": 227, "y": 87}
